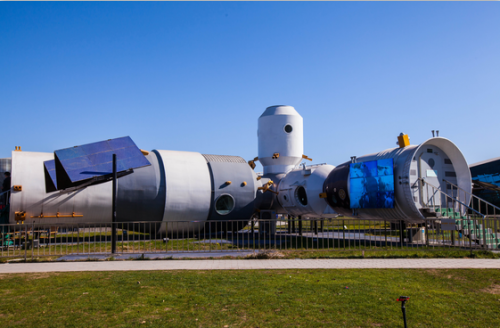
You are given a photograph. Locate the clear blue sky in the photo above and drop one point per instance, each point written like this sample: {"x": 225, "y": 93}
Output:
{"x": 196, "y": 76}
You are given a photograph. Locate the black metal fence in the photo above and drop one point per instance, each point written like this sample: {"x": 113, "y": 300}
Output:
{"x": 34, "y": 240}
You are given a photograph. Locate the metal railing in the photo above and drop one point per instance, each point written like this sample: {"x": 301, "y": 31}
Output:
{"x": 476, "y": 203}
{"x": 242, "y": 238}
{"x": 479, "y": 228}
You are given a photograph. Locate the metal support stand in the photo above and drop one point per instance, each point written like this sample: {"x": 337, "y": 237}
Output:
{"x": 113, "y": 221}
{"x": 403, "y": 300}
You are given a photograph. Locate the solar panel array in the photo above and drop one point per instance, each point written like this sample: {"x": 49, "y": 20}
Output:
{"x": 78, "y": 164}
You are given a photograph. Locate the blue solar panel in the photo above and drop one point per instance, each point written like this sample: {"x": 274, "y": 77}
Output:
{"x": 84, "y": 162}
{"x": 50, "y": 175}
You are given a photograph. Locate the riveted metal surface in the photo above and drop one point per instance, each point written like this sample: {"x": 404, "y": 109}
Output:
{"x": 224, "y": 159}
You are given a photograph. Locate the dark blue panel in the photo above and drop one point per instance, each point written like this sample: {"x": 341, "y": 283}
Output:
{"x": 50, "y": 170}
{"x": 96, "y": 159}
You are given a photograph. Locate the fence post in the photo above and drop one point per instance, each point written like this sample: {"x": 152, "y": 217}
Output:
{"x": 25, "y": 241}
{"x": 77, "y": 237}
{"x": 385, "y": 232}
{"x": 426, "y": 233}
{"x": 401, "y": 234}
{"x": 343, "y": 233}
{"x": 485, "y": 244}
{"x": 33, "y": 240}
{"x": 470, "y": 226}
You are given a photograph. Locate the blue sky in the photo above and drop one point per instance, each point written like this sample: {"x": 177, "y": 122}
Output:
{"x": 196, "y": 76}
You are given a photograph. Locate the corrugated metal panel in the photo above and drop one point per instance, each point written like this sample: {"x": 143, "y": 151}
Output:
{"x": 223, "y": 159}
{"x": 5, "y": 164}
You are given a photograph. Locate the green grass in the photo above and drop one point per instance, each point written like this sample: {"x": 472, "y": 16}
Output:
{"x": 277, "y": 298}
{"x": 389, "y": 253}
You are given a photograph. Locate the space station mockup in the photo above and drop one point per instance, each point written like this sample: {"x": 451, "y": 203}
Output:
{"x": 73, "y": 185}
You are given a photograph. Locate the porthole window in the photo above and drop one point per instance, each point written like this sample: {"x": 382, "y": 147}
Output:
{"x": 288, "y": 128}
{"x": 224, "y": 204}
{"x": 302, "y": 196}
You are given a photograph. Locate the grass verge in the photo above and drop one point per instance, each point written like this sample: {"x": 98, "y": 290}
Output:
{"x": 277, "y": 298}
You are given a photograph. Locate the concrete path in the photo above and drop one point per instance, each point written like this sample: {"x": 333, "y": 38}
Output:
{"x": 251, "y": 265}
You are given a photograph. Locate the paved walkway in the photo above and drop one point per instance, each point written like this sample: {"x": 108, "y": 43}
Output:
{"x": 251, "y": 264}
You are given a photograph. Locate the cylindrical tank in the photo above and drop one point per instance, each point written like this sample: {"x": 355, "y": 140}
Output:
{"x": 281, "y": 141}
{"x": 176, "y": 187}
{"x": 436, "y": 161}
{"x": 299, "y": 191}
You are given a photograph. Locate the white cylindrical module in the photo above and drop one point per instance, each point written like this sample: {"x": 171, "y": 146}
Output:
{"x": 299, "y": 192}
{"x": 281, "y": 139}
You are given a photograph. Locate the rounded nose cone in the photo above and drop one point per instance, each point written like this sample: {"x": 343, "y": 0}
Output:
{"x": 280, "y": 110}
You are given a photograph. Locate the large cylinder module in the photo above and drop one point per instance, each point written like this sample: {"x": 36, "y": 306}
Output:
{"x": 400, "y": 183}
{"x": 177, "y": 186}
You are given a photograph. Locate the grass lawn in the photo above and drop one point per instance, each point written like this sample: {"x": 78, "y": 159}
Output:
{"x": 277, "y": 298}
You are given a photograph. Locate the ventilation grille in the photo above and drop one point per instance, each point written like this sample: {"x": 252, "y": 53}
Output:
{"x": 447, "y": 161}
{"x": 450, "y": 174}
{"x": 224, "y": 159}
{"x": 413, "y": 172}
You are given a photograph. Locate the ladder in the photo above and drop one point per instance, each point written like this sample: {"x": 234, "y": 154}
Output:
{"x": 479, "y": 221}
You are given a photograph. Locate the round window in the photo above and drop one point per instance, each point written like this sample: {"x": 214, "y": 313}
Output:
{"x": 288, "y": 128}
{"x": 302, "y": 196}
{"x": 224, "y": 204}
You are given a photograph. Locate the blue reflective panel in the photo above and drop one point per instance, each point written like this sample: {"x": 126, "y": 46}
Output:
{"x": 96, "y": 159}
{"x": 371, "y": 184}
{"x": 385, "y": 167}
{"x": 50, "y": 168}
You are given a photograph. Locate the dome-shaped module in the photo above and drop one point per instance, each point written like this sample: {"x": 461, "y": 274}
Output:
{"x": 355, "y": 187}
{"x": 299, "y": 191}
{"x": 281, "y": 140}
